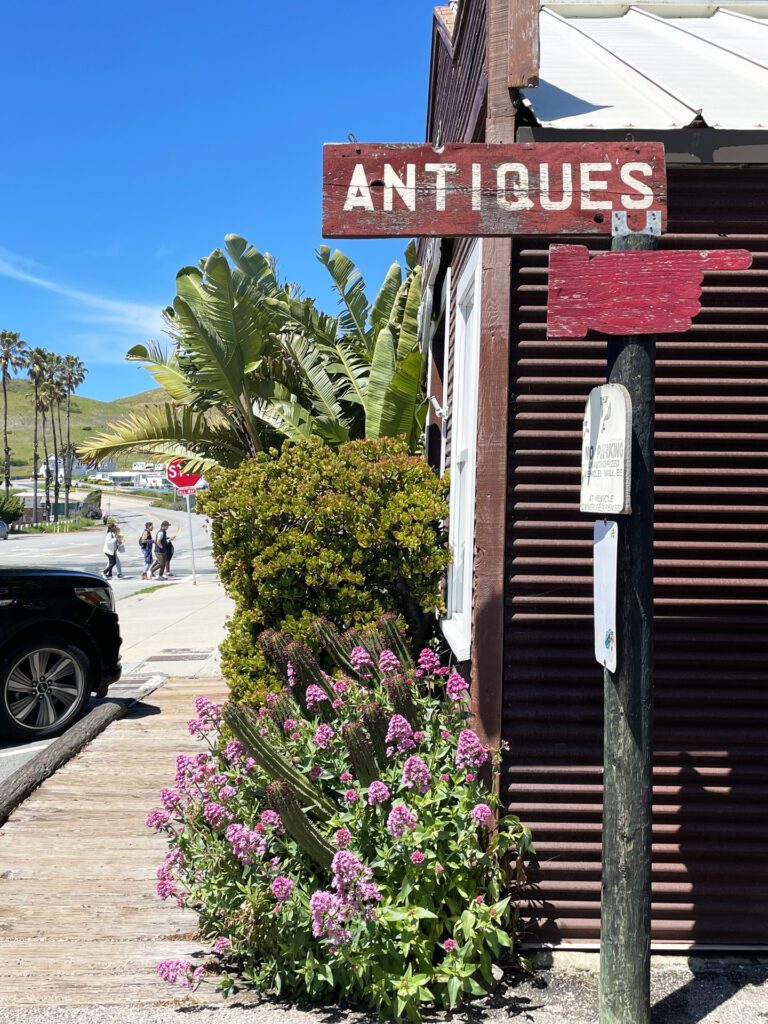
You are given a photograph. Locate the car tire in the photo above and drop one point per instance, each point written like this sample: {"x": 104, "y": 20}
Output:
{"x": 44, "y": 686}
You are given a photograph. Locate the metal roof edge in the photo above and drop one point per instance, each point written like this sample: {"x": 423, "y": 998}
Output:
{"x": 707, "y": 146}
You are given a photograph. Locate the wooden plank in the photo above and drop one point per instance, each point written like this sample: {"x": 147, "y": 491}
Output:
{"x": 523, "y": 54}
{"x": 630, "y": 292}
{"x": 487, "y": 189}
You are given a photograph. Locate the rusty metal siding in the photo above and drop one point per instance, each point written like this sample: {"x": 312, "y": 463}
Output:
{"x": 710, "y": 832}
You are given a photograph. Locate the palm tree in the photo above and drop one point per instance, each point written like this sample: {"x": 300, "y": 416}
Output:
{"x": 254, "y": 362}
{"x": 74, "y": 375}
{"x": 44, "y": 401}
{"x": 36, "y": 362}
{"x": 361, "y": 373}
{"x": 56, "y": 394}
{"x": 12, "y": 358}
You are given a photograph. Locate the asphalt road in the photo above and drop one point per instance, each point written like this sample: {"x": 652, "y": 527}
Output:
{"x": 83, "y": 551}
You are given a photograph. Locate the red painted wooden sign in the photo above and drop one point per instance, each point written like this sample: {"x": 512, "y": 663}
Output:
{"x": 549, "y": 188}
{"x": 629, "y": 292}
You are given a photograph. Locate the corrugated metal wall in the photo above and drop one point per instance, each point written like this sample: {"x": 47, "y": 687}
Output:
{"x": 710, "y": 833}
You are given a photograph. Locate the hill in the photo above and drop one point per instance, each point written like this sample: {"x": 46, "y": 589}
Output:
{"x": 88, "y": 416}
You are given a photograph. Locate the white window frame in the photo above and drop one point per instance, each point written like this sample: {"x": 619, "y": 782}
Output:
{"x": 457, "y": 624}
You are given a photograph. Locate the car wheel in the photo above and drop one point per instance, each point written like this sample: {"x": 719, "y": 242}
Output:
{"x": 44, "y": 685}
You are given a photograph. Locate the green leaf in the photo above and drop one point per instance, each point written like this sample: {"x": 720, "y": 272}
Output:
{"x": 385, "y": 300}
{"x": 382, "y": 370}
{"x": 467, "y": 923}
{"x": 454, "y": 989}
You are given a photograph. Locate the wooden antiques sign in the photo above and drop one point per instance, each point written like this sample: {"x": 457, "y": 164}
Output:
{"x": 644, "y": 292}
{"x": 551, "y": 188}
{"x": 606, "y": 454}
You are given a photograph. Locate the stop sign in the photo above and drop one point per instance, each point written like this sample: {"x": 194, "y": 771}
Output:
{"x": 174, "y": 473}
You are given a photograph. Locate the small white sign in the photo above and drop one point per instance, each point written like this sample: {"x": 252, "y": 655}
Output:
{"x": 606, "y": 547}
{"x": 606, "y": 453}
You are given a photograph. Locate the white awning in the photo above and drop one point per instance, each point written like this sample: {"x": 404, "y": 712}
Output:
{"x": 609, "y": 66}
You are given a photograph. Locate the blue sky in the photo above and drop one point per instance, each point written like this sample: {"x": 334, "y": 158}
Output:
{"x": 136, "y": 136}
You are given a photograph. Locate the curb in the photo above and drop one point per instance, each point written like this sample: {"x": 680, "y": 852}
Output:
{"x": 25, "y": 780}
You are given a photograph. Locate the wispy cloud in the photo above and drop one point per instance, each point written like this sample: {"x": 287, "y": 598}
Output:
{"x": 127, "y": 317}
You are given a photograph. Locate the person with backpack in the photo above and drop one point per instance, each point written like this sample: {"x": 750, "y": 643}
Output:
{"x": 161, "y": 551}
{"x": 146, "y": 544}
{"x": 170, "y": 549}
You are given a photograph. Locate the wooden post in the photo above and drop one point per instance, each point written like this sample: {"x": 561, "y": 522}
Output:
{"x": 625, "y": 936}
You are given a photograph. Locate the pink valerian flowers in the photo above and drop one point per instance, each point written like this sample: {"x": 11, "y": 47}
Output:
{"x": 342, "y": 837}
{"x": 444, "y": 734}
{"x": 167, "y": 876}
{"x": 222, "y": 944}
{"x": 247, "y": 844}
{"x": 226, "y": 793}
{"x": 378, "y": 793}
{"x": 416, "y": 774}
{"x": 234, "y": 752}
{"x": 482, "y": 815}
{"x": 400, "y": 734}
{"x": 282, "y": 888}
{"x": 361, "y": 662}
{"x": 334, "y": 912}
{"x": 428, "y": 661}
{"x": 449, "y": 945}
{"x": 323, "y": 736}
{"x": 417, "y": 857}
{"x": 337, "y": 704}
{"x": 456, "y": 687}
{"x": 157, "y": 819}
{"x": 388, "y": 662}
{"x": 401, "y": 819}
{"x": 315, "y": 772}
{"x": 346, "y": 777}
{"x": 290, "y": 672}
{"x": 289, "y": 725}
{"x": 470, "y": 751}
{"x": 179, "y": 972}
{"x": 272, "y": 699}
{"x": 350, "y": 796}
{"x": 209, "y": 717}
{"x": 315, "y": 695}
{"x": 170, "y": 799}
{"x": 341, "y": 686}
{"x": 272, "y": 820}
{"x": 216, "y": 814}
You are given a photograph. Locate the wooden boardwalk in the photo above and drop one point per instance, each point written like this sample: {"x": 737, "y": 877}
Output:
{"x": 80, "y": 922}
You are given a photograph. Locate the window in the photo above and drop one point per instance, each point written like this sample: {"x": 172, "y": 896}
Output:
{"x": 457, "y": 625}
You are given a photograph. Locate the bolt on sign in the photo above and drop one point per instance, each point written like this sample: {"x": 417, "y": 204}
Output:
{"x": 606, "y": 454}
{"x": 479, "y": 189}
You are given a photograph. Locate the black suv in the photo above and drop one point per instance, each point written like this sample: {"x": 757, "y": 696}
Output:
{"x": 59, "y": 641}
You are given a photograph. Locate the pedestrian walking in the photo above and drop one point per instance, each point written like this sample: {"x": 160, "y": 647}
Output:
{"x": 110, "y": 550}
{"x": 120, "y": 550}
{"x": 160, "y": 547}
{"x": 169, "y": 554}
{"x": 146, "y": 544}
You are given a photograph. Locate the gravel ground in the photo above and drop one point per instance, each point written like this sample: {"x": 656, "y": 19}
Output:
{"x": 695, "y": 991}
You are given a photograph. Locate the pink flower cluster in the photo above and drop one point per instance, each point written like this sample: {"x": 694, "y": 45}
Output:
{"x": 429, "y": 661}
{"x": 157, "y": 819}
{"x": 401, "y": 819}
{"x": 416, "y": 774}
{"x": 222, "y": 944}
{"x": 247, "y": 844}
{"x": 352, "y": 899}
{"x": 234, "y": 752}
{"x": 323, "y": 736}
{"x": 168, "y": 876}
{"x": 315, "y": 695}
{"x": 456, "y": 687}
{"x": 282, "y": 888}
{"x": 209, "y": 717}
{"x": 388, "y": 662}
{"x": 341, "y": 686}
{"x": 216, "y": 814}
{"x": 271, "y": 819}
{"x": 482, "y": 815}
{"x": 342, "y": 837}
{"x": 179, "y": 972}
{"x": 361, "y": 662}
{"x": 378, "y": 793}
{"x": 470, "y": 751}
{"x": 400, "y": 734}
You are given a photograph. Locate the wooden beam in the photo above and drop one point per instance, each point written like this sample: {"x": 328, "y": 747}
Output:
{"x": 487, "y": 652}
{"x": 523, "y": 50}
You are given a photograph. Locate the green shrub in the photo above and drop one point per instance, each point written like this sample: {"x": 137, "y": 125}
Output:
{"x": 92, "y": 501}
{"x": 11, "y": 509}
{"x": 321, "y": 867}
{"x": 347, "y": 533}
